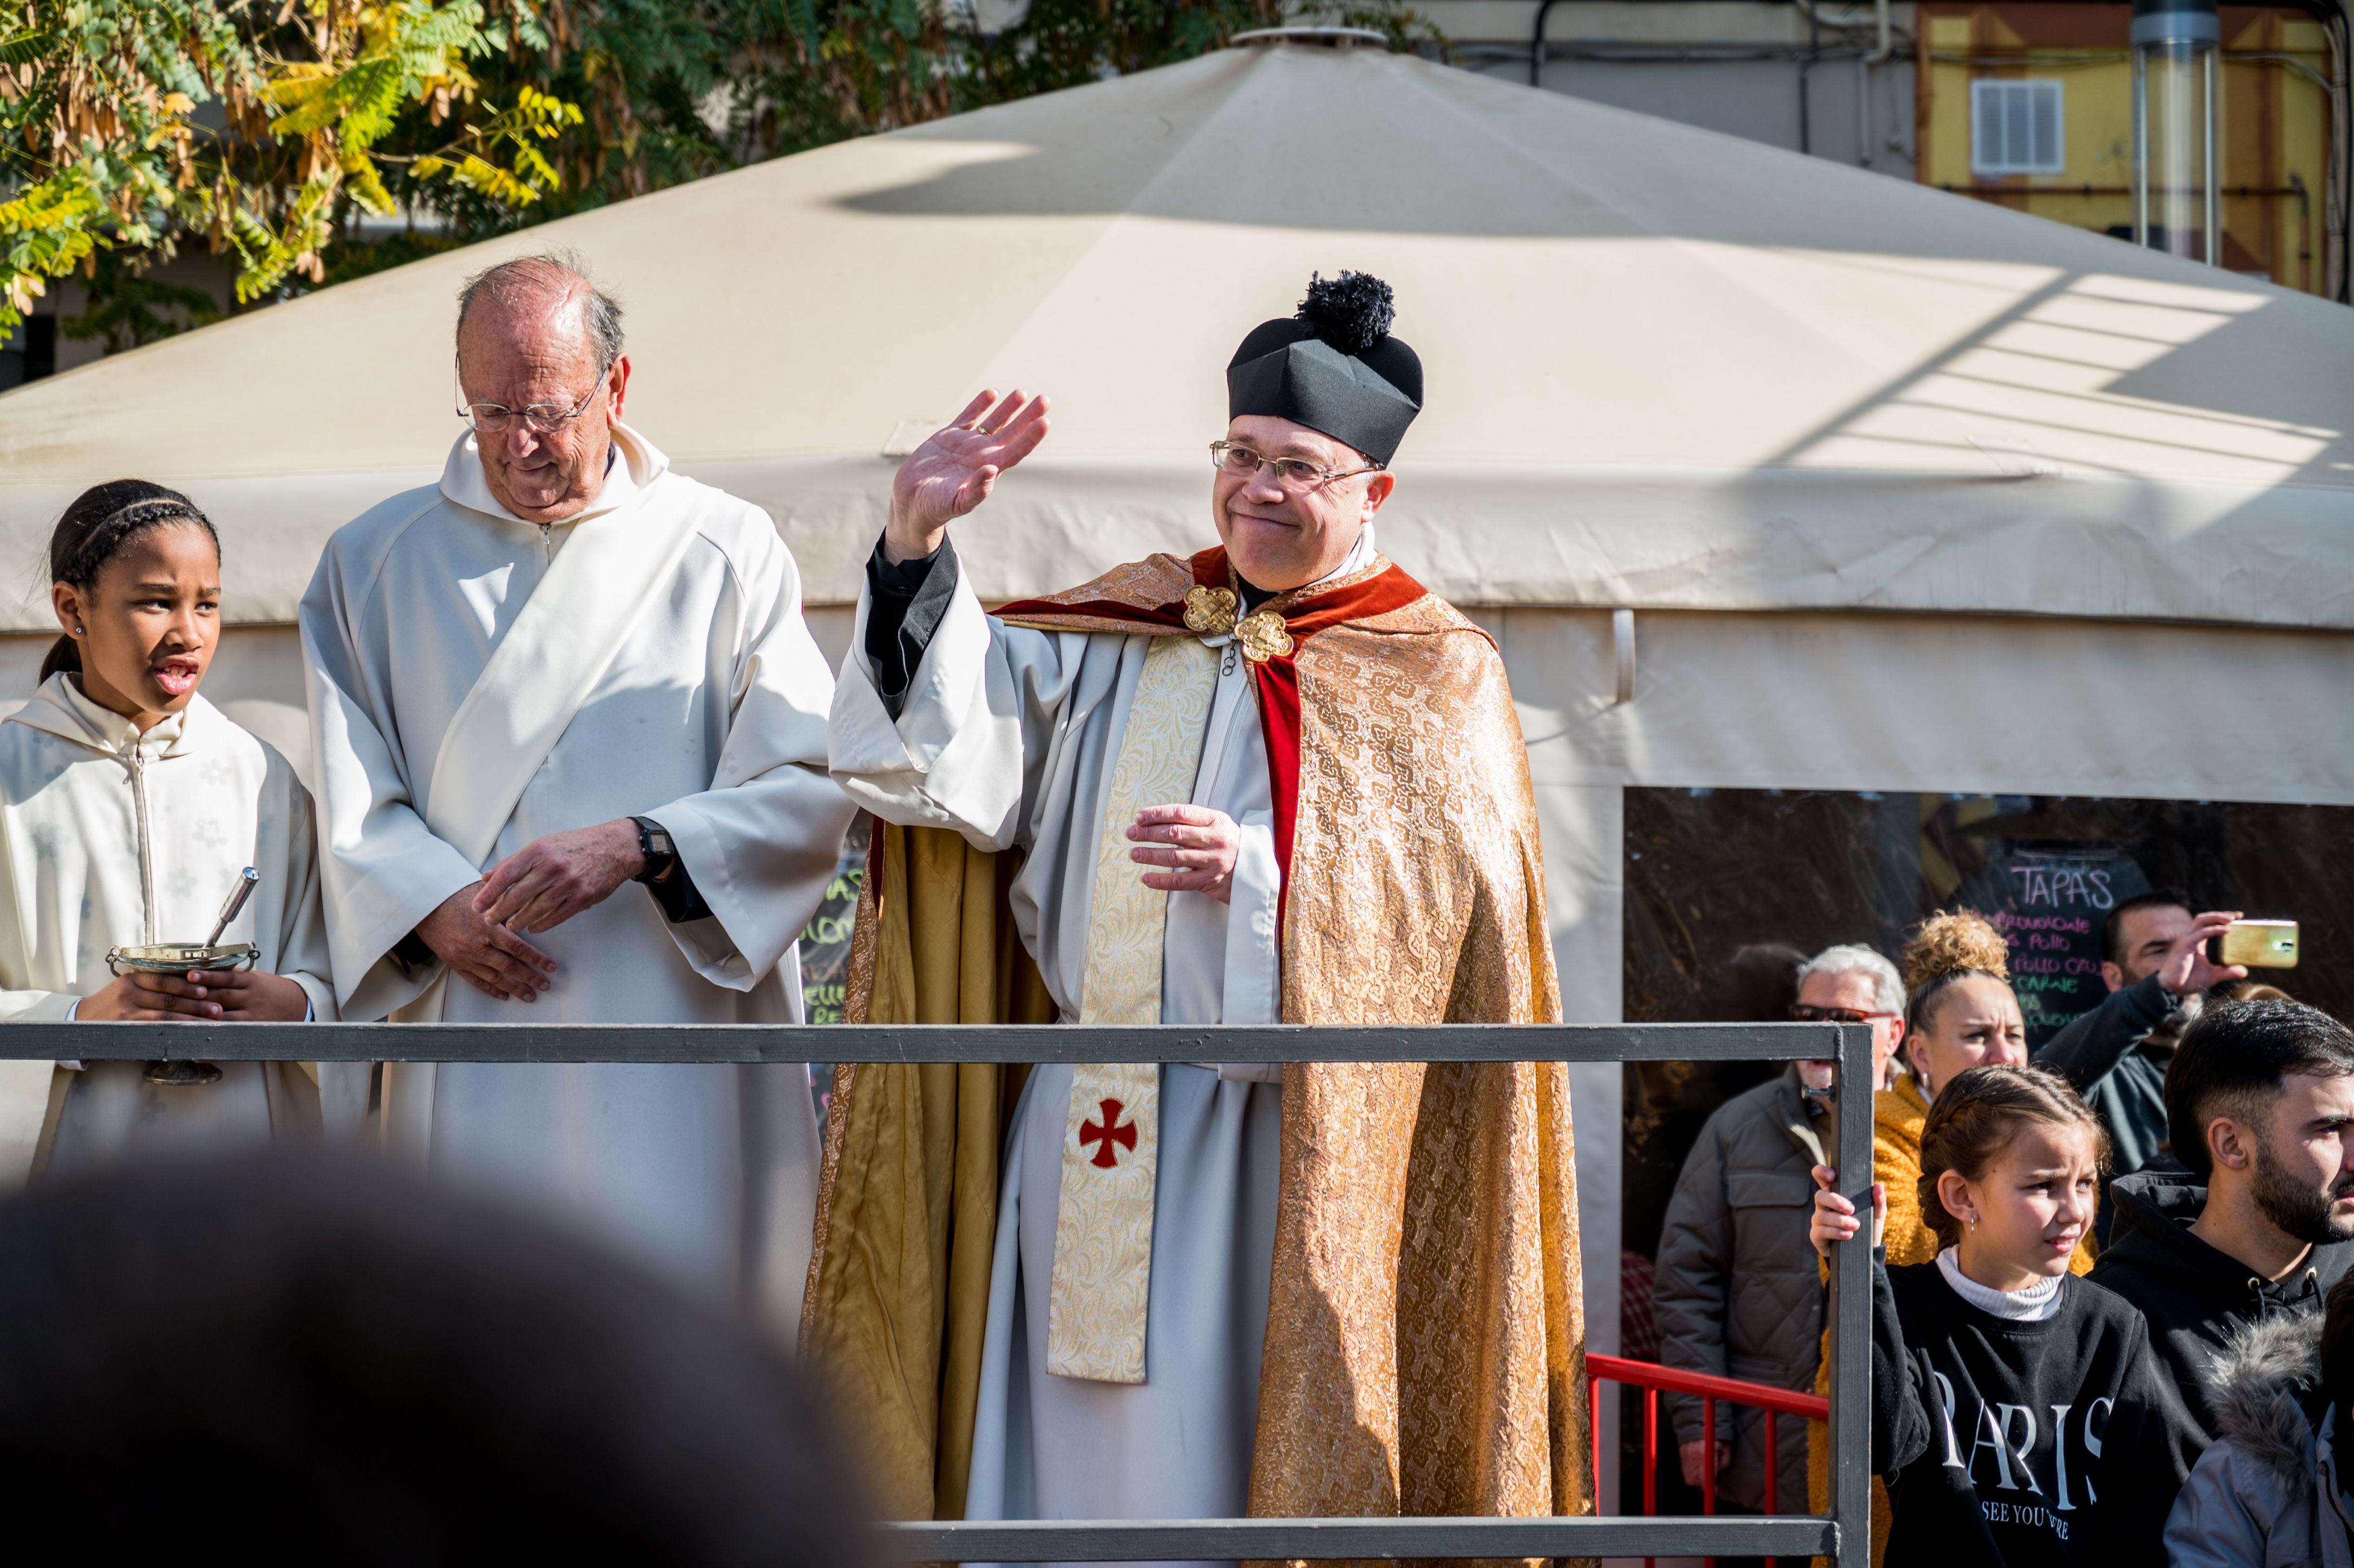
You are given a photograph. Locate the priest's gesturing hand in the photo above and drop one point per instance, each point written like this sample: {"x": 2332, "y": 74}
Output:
{"x": 954, "y": 471}
{"x": 1198, "y": 844}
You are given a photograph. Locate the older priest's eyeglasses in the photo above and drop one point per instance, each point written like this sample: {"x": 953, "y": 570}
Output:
{"x": 497, "y": 419}
{"x": 1292, "y": 473}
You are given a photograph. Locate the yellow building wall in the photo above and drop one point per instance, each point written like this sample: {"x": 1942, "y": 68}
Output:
{"x": 2274, "y": 136}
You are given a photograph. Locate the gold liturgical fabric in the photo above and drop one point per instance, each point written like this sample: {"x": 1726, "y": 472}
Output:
{"x": 1111, "y": 1136}
{"x": 895, "y": 1308}
{"x": 1426, "y": 1336}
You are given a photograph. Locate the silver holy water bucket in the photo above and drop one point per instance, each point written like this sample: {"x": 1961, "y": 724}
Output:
{"x": 178, "y": 959}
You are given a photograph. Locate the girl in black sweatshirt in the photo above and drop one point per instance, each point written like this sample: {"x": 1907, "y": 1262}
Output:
{"x": 2015, "y": 1414}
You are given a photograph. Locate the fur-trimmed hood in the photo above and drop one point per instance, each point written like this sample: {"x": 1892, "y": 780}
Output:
{"x": 2263, "y": 1395}
{"x": 2269, "y": 1493}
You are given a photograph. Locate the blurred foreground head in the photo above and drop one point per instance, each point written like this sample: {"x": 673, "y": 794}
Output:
{"x": 315, "y": 1359}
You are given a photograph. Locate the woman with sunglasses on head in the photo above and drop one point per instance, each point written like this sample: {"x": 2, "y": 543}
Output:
{"x": 1960, "y": 1014}
{"x": 130, "y": 810}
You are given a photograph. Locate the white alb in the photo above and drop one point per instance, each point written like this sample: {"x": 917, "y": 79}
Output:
{"x": 478, "y": 681}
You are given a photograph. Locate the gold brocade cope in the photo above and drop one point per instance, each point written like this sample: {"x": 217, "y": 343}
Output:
{"x": 1425, "y": 1343}
{"x": 1425, "y": 1327}
{"x": 1111, "y": 1139}
{"x": 894, "y": 1314}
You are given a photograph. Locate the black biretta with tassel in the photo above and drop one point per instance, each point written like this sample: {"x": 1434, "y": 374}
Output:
{"x": 1332, "y": 367}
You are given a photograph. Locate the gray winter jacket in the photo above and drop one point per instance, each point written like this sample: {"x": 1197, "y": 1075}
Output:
{"x": 2267, "y": 1491}
{"x": 1738, "y": 1293}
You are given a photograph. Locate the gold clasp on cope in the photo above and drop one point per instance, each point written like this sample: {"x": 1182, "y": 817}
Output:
{"x": 1261, "y": 635}
{"x": 1210, "y": 612}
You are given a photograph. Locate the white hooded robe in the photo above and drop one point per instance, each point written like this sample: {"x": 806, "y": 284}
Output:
{"x": 477, "y": 681}
{"x": 109, "y": 837}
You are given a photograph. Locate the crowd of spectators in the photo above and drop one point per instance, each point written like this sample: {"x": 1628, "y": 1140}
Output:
{"x": 2193, "y": 1297}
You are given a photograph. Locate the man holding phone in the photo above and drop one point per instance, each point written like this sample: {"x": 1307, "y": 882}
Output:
{"x": 2154, "y": 954}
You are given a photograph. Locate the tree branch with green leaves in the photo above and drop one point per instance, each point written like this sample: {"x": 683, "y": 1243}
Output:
{"x": 130, "y": 126}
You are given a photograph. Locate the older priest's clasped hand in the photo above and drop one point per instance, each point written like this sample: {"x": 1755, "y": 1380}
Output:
{"x": 537, "y": 888}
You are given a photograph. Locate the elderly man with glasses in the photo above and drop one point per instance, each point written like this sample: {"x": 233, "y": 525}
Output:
{"x": 1276, "y": 781}
{"x": 1737, "y": 1292}
{"x": 563, "y": 669}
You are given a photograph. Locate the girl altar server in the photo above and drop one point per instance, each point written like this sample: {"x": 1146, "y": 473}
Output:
{"x": 2015, "y": 1415}
{"x": 128, "y": 809}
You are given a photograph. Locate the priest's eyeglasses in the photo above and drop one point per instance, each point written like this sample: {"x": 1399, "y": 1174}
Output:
{"x": 546, "y": 418}
{"x": 1292, "y": 473}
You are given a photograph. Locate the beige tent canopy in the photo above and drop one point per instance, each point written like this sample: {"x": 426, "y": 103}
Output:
{"x": 1667, "y": 368}
{"x": 1888, "y": 489}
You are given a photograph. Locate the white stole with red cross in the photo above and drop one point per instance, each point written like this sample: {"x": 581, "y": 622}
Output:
{"x": 1103, "y": 1223}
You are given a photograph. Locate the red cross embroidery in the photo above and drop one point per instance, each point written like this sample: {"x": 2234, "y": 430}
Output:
{"x": 1105, "y": 1133}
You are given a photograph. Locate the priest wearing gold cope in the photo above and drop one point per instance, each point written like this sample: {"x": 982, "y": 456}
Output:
{"x": 1277, "y": 781}
{"x": 563, "y": 669}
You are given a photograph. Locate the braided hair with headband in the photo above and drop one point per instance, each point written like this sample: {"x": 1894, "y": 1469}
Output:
{"x": 93, "y": 531}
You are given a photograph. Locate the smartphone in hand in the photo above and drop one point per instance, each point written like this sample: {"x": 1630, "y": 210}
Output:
{"x": 2260, "y": 944}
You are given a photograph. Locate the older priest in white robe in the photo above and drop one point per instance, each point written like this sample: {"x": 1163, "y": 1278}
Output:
{"x": 561, "y": 668}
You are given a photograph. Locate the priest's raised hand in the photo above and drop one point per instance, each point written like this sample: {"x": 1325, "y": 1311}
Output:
{"x": 954, "y": 471}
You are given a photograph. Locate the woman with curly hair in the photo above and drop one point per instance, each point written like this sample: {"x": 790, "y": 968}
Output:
{"x": 1960, "y": 1013}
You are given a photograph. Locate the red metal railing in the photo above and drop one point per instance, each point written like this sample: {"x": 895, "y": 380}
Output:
{"x": 1653, "y": 1379}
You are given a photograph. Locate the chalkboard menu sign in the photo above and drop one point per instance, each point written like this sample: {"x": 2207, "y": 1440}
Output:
{"x": 825, "y": 942}
{"x": 2049, "y": 907}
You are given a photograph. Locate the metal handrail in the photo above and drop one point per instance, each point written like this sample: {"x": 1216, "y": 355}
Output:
{"x": 1843, "y": 1535}
{"x": 1654, "y": 1379}
{"x": 1708, "y": 1385}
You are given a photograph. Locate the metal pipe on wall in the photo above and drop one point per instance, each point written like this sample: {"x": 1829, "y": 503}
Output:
{"x": 1537, "y": 44}
{"x": 1806, "y": 66}
{"x": 2176, "y": 64}
{"x": 1864, "y": 149}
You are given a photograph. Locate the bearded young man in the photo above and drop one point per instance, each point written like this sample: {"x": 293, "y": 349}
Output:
{"x": 2261, "y": 1102}
{"x": 1276, "y": 781}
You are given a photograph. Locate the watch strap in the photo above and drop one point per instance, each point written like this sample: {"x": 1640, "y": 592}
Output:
{"x": 654, "y": 844}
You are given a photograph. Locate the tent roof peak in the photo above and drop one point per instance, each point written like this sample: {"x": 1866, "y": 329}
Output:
{"x": 1324, "y": 38}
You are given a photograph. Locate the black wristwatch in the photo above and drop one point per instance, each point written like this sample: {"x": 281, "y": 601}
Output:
{"x": 653, "y": 842}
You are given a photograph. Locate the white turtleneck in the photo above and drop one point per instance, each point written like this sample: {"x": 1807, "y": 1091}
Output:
{"x": 2032, "y": 1305}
